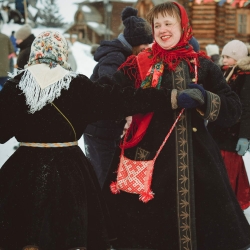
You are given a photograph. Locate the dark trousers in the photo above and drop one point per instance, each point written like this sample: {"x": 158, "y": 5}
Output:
{"x": 100, "y": 152}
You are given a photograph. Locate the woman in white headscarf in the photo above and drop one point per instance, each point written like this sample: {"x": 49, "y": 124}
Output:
{"x": 49, "y": 195}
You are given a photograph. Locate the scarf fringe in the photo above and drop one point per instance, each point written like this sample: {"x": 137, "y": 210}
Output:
{"x": 37, "y": 98}
{"x": 130, "y": 68}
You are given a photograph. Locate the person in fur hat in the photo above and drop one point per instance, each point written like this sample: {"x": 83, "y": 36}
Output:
{"x": 234, "y": 141}
{"x": 24, "y": 39}
{"x": 50, "y": 198}
{"x": 167, "y": 187}
{"x": 102, "y": 137}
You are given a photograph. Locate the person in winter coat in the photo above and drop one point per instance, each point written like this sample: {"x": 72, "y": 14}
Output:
{"x": 6, "y": 49}
{"x": 214, "y": 53}
{"x": 13, "y": 55}
{"x": 24, "y": 39}
{"x": 102, "y": 137}
{"x": 49, "y": 195}
{"x": 168, "y": 187}
{"x": 234, "y": 141}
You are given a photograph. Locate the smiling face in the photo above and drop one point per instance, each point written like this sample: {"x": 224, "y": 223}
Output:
{"x": 167, "y": 30}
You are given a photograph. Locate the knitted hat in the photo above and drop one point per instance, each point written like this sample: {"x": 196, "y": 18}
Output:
{"x": 235, "y": 49}
{"x": 51, "y": 48}
{"x": 194, "y": 44}
{"x": 137, "y": 31}
{"x": 212, "y": 49}
{"x": 23, "y": 32}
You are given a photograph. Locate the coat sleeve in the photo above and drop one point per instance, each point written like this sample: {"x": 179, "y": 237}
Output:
{"x": 10, "y": 107}
{"x": 245, "y": 101}
{"x": 223, "y": 105}
{"x": 10, "y": 47}
{"x": 107, "y": 99}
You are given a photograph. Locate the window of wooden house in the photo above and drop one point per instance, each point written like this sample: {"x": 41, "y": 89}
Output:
{"x": 243, "y": 21}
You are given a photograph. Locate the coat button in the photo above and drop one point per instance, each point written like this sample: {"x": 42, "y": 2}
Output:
{"x": 195, "y": 129}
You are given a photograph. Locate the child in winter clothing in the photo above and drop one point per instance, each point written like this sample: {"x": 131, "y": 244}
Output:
{"x": 234, "y": 141}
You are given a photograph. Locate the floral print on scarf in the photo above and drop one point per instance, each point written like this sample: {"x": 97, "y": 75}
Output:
{"x": 50, "y": 48}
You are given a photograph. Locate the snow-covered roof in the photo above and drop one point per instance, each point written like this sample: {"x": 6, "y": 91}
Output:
{"x": 99, "y": 28}
{"x": 91, "y": 14}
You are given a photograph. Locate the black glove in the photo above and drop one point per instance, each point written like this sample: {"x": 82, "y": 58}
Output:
{"x": 190, "y": 98}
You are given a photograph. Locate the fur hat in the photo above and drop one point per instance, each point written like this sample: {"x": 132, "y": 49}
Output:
{"x": 137, "y": 31}
{"x": 212, "y": 49}
{"x": 51, "y": 48}
{"x": 23, "y": 33}
{"x": 235, "y": 49}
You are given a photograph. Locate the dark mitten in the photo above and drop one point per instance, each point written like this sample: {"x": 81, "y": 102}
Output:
{"x": 190, "y": 98}
{"x": 200, "y": 87}
{"x": 242, "y": 146}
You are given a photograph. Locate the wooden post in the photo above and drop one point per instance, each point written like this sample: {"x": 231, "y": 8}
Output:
{"x": 25, "y": 11}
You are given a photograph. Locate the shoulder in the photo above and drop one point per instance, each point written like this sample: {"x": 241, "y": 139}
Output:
{"x": 208, "y": 65}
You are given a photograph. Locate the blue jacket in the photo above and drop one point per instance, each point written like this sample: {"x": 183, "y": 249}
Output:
{"x": 13, "y": 40}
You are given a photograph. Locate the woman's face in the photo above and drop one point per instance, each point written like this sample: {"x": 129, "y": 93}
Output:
{"x": 167, "y": 31}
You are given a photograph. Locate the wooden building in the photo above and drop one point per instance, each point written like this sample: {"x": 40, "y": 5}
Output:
{"x": 98, "y": 20}
{"x": 213, "y": 22}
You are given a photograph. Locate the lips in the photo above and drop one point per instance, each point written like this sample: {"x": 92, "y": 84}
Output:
{"x": 165, "y": 38}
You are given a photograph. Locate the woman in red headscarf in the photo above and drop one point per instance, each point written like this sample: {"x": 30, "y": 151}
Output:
{"x": 171, "y": 190}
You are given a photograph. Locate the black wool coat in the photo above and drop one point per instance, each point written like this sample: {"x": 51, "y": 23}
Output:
{"x": 24, "y": 53}
{"x": 240, "y": 83}
{"x": 194, "y": 206}
{"x": 109, "y": 55}
{"x": 50, "y": 197}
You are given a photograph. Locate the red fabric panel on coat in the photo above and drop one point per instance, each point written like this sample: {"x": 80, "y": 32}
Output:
{"x": 238, "y": 177}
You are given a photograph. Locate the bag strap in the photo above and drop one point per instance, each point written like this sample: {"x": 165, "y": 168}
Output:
{"x": 174, "y": 124}
{"x": 65, "y": 118}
